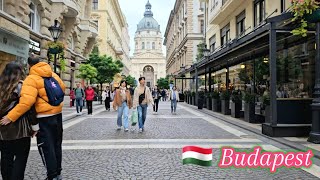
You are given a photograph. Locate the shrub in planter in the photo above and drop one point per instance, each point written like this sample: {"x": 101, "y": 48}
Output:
{"x": 216, "y": 102}
{"x": 225, "y": 102}
{"x": 249, "y": 107}
{"x": 236, "y": 104}
{"x": 200, "y": 99}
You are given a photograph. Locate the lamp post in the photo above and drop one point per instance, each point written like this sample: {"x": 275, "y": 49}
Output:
{"x": 55, "y": 31}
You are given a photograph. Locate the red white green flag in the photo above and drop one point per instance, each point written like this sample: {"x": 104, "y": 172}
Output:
{"x": 197, "y": 155}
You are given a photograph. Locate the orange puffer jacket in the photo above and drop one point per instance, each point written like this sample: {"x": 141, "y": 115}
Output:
{"x": 33, "y": 92}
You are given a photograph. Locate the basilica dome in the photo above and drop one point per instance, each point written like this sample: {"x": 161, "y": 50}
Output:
{"x": 148, "y": 22}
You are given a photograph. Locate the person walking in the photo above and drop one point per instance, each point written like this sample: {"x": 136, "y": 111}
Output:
{"x": 156, "y": 98}
{"x": 142, "y": 97}
{"x": 89, "y": 92}
{"x": 72, "y": 97}
{"x": 163, "y": 94}
{"x": 107, "y": 98}
{"x": 174, "y": 97}
{"x": 49, "y": 112}
{"x": 15, "y": 138}
{"x": 123, "y": 102}
{"x": 79, "y": 95}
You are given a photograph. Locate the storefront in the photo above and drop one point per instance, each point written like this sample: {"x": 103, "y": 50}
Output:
{"x": 273, "y": 64}
{"x": 12, "y": 48}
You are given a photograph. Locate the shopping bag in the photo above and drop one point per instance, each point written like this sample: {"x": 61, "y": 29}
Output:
{"x": 134, "y": 118}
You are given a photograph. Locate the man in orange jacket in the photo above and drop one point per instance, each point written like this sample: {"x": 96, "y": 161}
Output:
{"x": 49, "y": 137}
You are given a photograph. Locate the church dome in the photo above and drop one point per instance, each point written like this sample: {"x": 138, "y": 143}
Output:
{"x": 148, "y": 22}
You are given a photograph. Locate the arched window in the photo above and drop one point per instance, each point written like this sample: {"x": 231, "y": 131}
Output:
{"x": 143, "y": 46}
{"x": 153, "y": 45}
{"x": 34, "y": 17}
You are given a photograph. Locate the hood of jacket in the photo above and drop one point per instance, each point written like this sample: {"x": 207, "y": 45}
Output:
{"x": 41, "y": 69}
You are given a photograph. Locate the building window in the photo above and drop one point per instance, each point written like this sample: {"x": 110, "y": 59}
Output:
{"x": 202, "y": 6}
{"x": 283, "y": 5}
{"x": 241, "y": 28}
{"x": 95, "y": 4}
{"x": 1, "y": 5}
{"x": 225, "y": 35}
{"x": 202, "y": 26}
{"x": 34, "y": 17}
{"x": 97, "y": 22}
{"x": 212, "y": 42}
{"x": 153, "y": 45}
{"x": 259, "y": 12}
{"x": 143, "y": 45}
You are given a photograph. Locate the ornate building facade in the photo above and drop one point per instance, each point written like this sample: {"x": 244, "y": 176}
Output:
{"x": 113, "y": 39}
{"x": 24, "y": 29}
{"x": 148, "y": 59}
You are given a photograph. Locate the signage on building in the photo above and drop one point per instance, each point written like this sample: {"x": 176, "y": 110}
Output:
{"x": 34, "y": 46}
{"x": 13, "y": 44}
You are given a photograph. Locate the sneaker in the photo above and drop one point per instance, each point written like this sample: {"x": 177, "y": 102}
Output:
{"x": 59, "y": 177}
{"x": 140, "y": 130}
{"x": 119, "y": 128}
{"x": 126, "y": 130}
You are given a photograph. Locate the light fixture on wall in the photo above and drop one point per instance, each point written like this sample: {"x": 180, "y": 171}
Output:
{"x": 243, "y": 66}
{"x": 265, "y": 60}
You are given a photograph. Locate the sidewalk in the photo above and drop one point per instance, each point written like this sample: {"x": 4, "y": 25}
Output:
{"x": 297, "y": 143}
{"x": 71, "y": 112}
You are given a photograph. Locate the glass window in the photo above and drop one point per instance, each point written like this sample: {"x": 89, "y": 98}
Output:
{"x": 202, "y": 5}
{"x": 143, "y": 45}
{"x": 225, "y": 35}
{"x": 34, "y": 17}
{"x": 202, "y": 26}
{"x": 97, "y": 22}
{"x": 241, "y": 23}
{"x": 259, "y": 12}
{"x": 1, "y": 5}
{"x": 212, "y": 42}
{"x": 95, "y": 4}
{"x": 153, "y": 45}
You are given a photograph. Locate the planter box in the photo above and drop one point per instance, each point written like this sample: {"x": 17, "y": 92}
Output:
{"x": 235, "y": 109}
{"x": 225, "y": 107}
{"x": 209, "y": 103}
{"x": 216, "y": 105}
{"x": 193, "y": 100}
{"x": 200, "y": 103}
{"x": 249, "y": 112}
{"x": 204, "y": 102}
{"x": 267, "y": 114}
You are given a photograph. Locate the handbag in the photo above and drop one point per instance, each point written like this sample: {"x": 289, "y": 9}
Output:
{"x": 21, "y": 127}
{"x": 134, "y": 118}
{"x": 142, "y": 96}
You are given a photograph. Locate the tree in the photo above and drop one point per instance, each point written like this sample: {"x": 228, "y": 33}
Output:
{"x": 201, "y": 47}
{"x": 87, "y": 72}
{"x": 131, "y": 81}
{"x": 163, "y": 83}
{"x": 106, "y": 67}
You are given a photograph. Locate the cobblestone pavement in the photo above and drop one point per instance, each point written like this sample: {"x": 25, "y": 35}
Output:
{"x": 93, "y": 149}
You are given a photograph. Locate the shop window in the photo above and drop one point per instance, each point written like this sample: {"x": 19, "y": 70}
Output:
{"x": 225, "y": 35}
{"x": 212, "y": 42}
{"x": 34, "y": 17}
{"x": 241, "y": 23}
{"x": 143, "y": 45}
{"x": 202, "y": 26}
{"x": 153, "y": 45}
{"x": 259, "y": 12}
{"x": 95, "y": 4}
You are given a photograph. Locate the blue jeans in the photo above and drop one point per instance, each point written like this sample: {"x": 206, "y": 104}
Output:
{"x": 173, "y": 105}
{"x": 79, "y": 103}
{"x": 123, "y": 110}
{"x": 142, "y": 114}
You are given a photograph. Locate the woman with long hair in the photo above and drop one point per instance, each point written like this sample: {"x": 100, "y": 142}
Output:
{"x": 156, "y": 94}
{"x": 123, "y": 102}
{"x": 15, "y": 137}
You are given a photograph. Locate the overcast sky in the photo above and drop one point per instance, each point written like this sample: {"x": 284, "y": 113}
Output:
{"x": 134, "y": 10}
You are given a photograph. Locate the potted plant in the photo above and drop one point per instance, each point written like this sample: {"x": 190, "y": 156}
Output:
{"x": 225, "y": 102}
{"x": 216, "y": 103}
{"x": 249, "y": 107}
{"x": 57, "y": 49}
{"x": 200, "y": 99}
{"x": 193, "y": 98}
{"x": 209, "y": 101}
{"x": 236, "y": 104}
{"x": 266, "y": 105}
{"x": 305, "y": 11}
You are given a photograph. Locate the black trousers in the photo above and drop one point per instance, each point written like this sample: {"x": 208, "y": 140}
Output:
{"x": 49, "y": 140}
{"x": 156, "y": 105}
{"x": 14, "y": 157}
{"x": 107, "y": 103}
{"x": 89, "y": 105}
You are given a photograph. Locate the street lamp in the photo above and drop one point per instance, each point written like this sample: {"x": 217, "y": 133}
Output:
{"x": 206, "y": 52}
{"x": 55, "y": 31}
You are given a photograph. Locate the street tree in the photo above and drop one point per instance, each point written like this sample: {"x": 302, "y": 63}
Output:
{"x": 130, "y": 80}
{"x": 163, "y": 83}
{"x": 87, "y": 72}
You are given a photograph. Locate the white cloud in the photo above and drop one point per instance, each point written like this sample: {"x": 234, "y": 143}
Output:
{"x": 134, "y": 10}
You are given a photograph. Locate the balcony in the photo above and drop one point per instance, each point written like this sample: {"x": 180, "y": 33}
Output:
{"x": 90, "y": 26}
{"x": 73, "y": 7}
{"x": 223, "y": 9}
